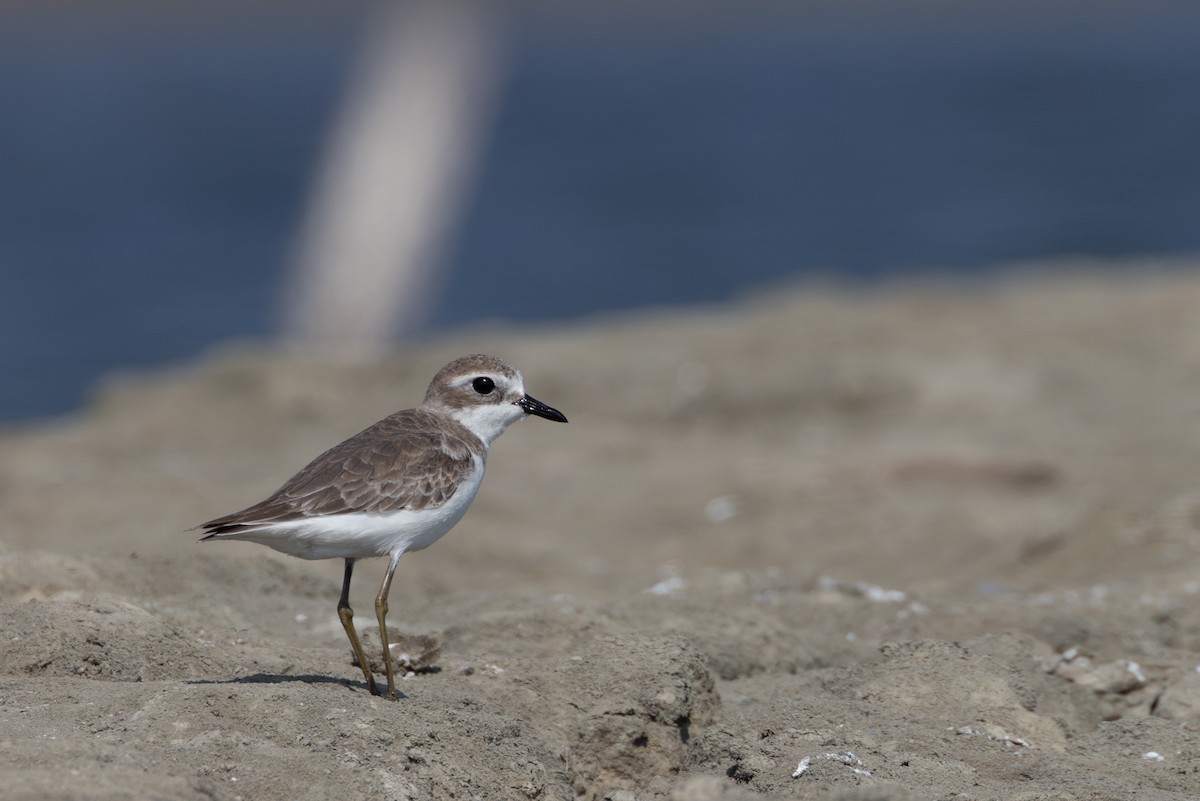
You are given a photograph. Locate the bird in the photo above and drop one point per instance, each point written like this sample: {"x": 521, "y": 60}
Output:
{"x": 397, "y": 486}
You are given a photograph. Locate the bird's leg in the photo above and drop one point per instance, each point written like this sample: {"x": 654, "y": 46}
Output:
{"x": 346, "y": 615}
{"x": 381, "y": 608}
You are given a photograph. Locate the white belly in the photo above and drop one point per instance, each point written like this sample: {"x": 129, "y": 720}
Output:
{"x": 361, "y": 535}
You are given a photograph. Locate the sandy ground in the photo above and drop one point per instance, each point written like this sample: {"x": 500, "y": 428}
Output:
{"x": 920, "y": 544}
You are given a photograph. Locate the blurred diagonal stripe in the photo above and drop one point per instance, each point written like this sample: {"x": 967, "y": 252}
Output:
{"x": 396, "y": 171}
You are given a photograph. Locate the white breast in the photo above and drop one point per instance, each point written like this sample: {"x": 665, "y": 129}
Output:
{"x": 361, "y": 535}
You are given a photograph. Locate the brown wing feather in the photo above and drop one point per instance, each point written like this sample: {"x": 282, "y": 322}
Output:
{"x": 406, "y": 461}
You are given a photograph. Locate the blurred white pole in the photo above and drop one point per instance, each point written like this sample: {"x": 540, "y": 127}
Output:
{"x": 394, "y": 178}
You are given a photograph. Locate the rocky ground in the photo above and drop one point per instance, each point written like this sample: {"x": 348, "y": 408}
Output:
{"x": 914, "y": 544}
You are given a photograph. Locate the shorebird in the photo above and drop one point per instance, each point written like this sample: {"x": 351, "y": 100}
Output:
{"x": 395, "y": 487}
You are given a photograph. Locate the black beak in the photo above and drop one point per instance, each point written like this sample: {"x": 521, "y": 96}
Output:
{"x": 533, "y": 406}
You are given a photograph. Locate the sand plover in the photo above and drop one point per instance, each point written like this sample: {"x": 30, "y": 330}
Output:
{"x": 396, "y": 487}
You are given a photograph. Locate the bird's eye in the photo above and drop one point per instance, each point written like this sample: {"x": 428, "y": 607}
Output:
{"x": 483, "y": 385}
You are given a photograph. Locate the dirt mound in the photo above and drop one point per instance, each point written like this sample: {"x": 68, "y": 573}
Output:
{"x": 911, "y": 545}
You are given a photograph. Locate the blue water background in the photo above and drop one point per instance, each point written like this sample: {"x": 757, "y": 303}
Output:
{"x": 154, "y": 165}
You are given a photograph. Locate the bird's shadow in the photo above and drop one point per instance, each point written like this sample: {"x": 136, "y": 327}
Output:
{"x": 280, "y": 678}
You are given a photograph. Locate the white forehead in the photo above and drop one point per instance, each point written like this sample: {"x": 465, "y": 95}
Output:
{"x": 504, "y": 381}
{"x": 451, "y": 385}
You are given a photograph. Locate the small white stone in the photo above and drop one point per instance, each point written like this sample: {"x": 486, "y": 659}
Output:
{"x": 721, "y": 509}
{"x": 1135, "y": 669}
{"x": 668, "y": 586}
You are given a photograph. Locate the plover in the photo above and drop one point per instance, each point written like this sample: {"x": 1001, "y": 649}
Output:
{"x": 395, "y": 487}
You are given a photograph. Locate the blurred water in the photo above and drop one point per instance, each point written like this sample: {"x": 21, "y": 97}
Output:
{"x": 154, "y": 172}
